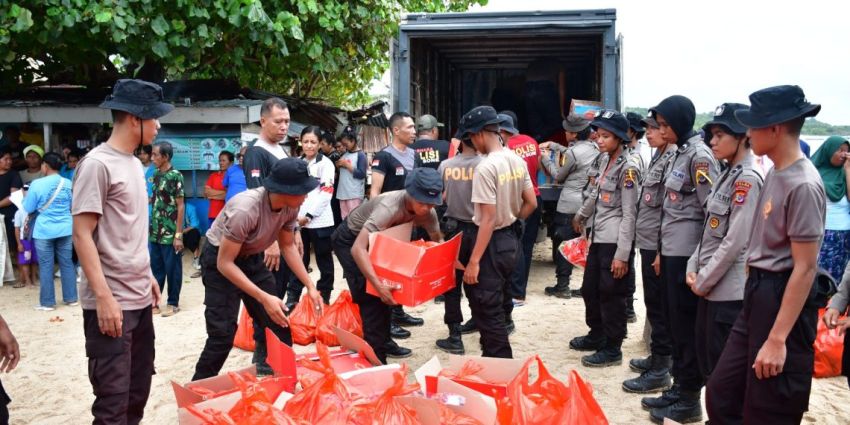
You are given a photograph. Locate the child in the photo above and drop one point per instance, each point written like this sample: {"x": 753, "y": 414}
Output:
{"x": 26, "y": 251}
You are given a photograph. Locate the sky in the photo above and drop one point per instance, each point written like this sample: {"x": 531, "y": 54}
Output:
{"x": 721, "y": 51}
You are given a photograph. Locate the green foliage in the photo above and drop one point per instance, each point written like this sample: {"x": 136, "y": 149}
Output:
{"x": 812, "y": 127}
{"x": 330, "y": 49}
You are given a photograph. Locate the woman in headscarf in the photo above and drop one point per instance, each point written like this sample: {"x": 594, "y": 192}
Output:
{"x": 833, "y": 163}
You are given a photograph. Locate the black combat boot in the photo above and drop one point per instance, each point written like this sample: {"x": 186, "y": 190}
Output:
{"x": 469, "y": 327}
{"x": 667, "y": 398}
{"x": 641, "y": 365}
{"x": 687, "y": 410}
{"x": 587, "y": 343}
{"x": 403, "y": 319}
{"x": 398, "y": 332}
{"x": 657, "y": 378}
{"x": 561, "y": 290}
{"x": 259, "y": 359}
{"x": 395, "y": 351}
{"x": 453, "y": 344}
{"x": 611, "y": 355}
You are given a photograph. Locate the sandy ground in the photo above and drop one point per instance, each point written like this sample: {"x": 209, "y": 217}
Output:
{"x": 50, "y": 385}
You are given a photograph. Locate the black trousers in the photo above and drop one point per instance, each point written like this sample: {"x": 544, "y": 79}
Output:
{"x": 490, "y": 299}
{"x": 192, "y": 239}
{"x": 374, "y": 313}
{"x": 282, "y": 277}
{"x": 120, "y": 369}
{"x": 714, "y": 322}
{"x": 519, "y": 279}
{"x": 605, "y": 298}
{"x": 563, "y": 231}
{"x": 222, "y": 298}
{"x": 320, "y": 242}
{"x": 4, "y": 406}
{"x": 734, "y": 394}
{"x": 682, "y": 317}
{"x": 655, "y": 299}
{"x": 453, "y": 314}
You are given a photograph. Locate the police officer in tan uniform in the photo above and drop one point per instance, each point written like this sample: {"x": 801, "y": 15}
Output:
{"x": 687, "y": 188}
{"x": 716, "y": 271}
{"x": 655, "y": 369}
{"x": 605, "y": 287}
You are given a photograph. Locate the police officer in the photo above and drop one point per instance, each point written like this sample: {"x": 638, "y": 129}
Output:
{"x": 423, "y": 190}
{"x": 716, "y": 270}
{"x": 687, "y": 185}
{"x": 233, "y": 260}
{"x": 577, "y": 159}
{"x": 764, "y": 375}
{"x": 605, "y": 288}
{"x": 655, "y": 369}
{"x": 634, "y": 148}
{"x": 457, "y": 174}
{"x": 502, "y": 195}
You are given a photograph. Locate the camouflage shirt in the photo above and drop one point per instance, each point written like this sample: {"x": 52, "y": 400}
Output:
{"x": 167, "y": 187}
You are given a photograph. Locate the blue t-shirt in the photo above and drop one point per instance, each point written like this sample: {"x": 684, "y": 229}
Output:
{"x": 55, "y": 221}
{"x": 234, "y": 181}
{"x": 66, "y": 172}
{"x": 150, "y": 170}
{"x": 190, "y": 217}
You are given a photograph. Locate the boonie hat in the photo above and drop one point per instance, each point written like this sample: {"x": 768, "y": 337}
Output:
{"x": 776, "y": 105}
{"x": 137, "y": 97}
{"x": 575, "y": 123}
{"x": 635, "y": 121}
{"x": 34, "y": 148}
{"x": 289, "y": 176}
{"x": 507, "y": 124}
{"x": 477, "y": 118}
{"x": 427, "y": 122}
{"x": 725, "y": 115}
{"x": 425, "y": 185}
{"x": 614, "y": 122}
{"x": 649, "y": 122}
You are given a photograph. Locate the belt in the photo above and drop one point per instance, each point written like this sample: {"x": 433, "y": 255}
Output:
{"x": 762, "y": 274}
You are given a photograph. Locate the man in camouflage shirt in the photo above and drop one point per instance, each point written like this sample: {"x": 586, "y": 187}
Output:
{"x": 166, "y": 228}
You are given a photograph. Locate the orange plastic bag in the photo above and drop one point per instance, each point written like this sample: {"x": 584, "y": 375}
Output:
{"x": 468, "y": 372}
{"x": 254, "y": 408}
{"x": 343, "y": 313}
{"x": 450, "y": 417}
{"x": 385, "y": 409}
{"x": 244, "y": 338}
{"x": 829, "y": 347}
{"x": 303, "y": 320}
{"x": 575, "y": 251}
{"x": 328, "y": 400}
{"x": 548, "y": 401}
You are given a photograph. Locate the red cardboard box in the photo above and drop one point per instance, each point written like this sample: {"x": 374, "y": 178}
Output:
{"x": 222, "y": 385}
{"x": 354, "y": 354}
{"x": 417, "y": 273}
{"x": 458, "y": 398}
{"x": 497, "y": 372}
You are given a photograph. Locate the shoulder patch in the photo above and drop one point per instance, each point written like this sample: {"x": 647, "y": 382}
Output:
{"x": 701, "y": 172}
{"x": 629, "y": 179}
{"x": 741, "y": 189}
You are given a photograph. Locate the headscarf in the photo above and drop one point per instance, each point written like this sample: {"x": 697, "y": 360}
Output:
{"x": 833, "y": 177}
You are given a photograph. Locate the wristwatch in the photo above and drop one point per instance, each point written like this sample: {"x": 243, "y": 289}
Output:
{"x": 178, "y": 235}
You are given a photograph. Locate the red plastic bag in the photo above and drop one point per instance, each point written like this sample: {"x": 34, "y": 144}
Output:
{"x": 303, "y": 320}
{"x": 328, "y": 400}
{"x": 548, "y": 401}
{"x": 343, "y": 313}
{"x": 385, "y": 409}
{"x": 467, "y": 372}
{"x": 254, "y": 408}
{"x": 575, "y": 251}
{"x": 829, "y": 347}
{"x": 244, "y": 338}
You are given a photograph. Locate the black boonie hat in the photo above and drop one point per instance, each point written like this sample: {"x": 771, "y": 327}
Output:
{"x": 477, "y": 118}
{"x": 137, "y": 97}
{"x": 724, "y": 115}
{"x": 425, "y": 185}
{"x": 614, "y": 122}
{"x": 575, "y": 123}
{"x": 507, "y": 124}
{"x": 776, "y": 105}
{"x": 649, "y": 122}
{"x": 635, "y": 122}
{"x": 289, "y": 176}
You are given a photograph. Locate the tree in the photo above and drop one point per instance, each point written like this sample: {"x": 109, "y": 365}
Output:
{"x": 329, "y": 49}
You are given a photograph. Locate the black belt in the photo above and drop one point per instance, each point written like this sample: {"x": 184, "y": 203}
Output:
{"x": 762, "y": 274}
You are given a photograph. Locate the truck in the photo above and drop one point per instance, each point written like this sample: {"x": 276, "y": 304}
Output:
{"x": 444, "y": 64}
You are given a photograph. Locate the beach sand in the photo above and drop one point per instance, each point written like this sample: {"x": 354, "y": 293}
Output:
{"x": 50, "y": 385}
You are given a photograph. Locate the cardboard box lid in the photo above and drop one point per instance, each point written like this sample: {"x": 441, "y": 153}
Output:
{"x": 373, "y": 381}
{"x": 495, "y": 369}
{"x": 475, "y": 405}
{"x": 184, "y": 396}
{"x": 222, "y": 404}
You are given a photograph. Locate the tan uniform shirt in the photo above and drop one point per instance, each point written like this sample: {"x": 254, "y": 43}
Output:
{"x": 457, "y": 175}
{"x": 615, "y": 206}
{"x": 791, "y": 208}
{"x": 388, "y": 210}
{"x": 111, "y": 184}
{"x": 499, "y": 180}
{"x": 247, "y": 218}
{"x": 719, "y": 259}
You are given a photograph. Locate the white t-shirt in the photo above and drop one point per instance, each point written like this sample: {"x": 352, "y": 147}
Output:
{"x": 20, "y": 216}
{"x": 273, "y": 148}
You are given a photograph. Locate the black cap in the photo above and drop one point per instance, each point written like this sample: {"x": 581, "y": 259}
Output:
{"x": 289, "y": 176}
{"x": 137, "y": 97}
{"x": 776, "y": 105}
{"x": 575, "y": 123}
{"x": 477, "y": 118}
{"x": 724, "y": 115}
{"x": 425, "y": 185}
{"x": 635, "y": 122}
{"x": 507, "y": 124}
{"x": 614, "y": 122}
